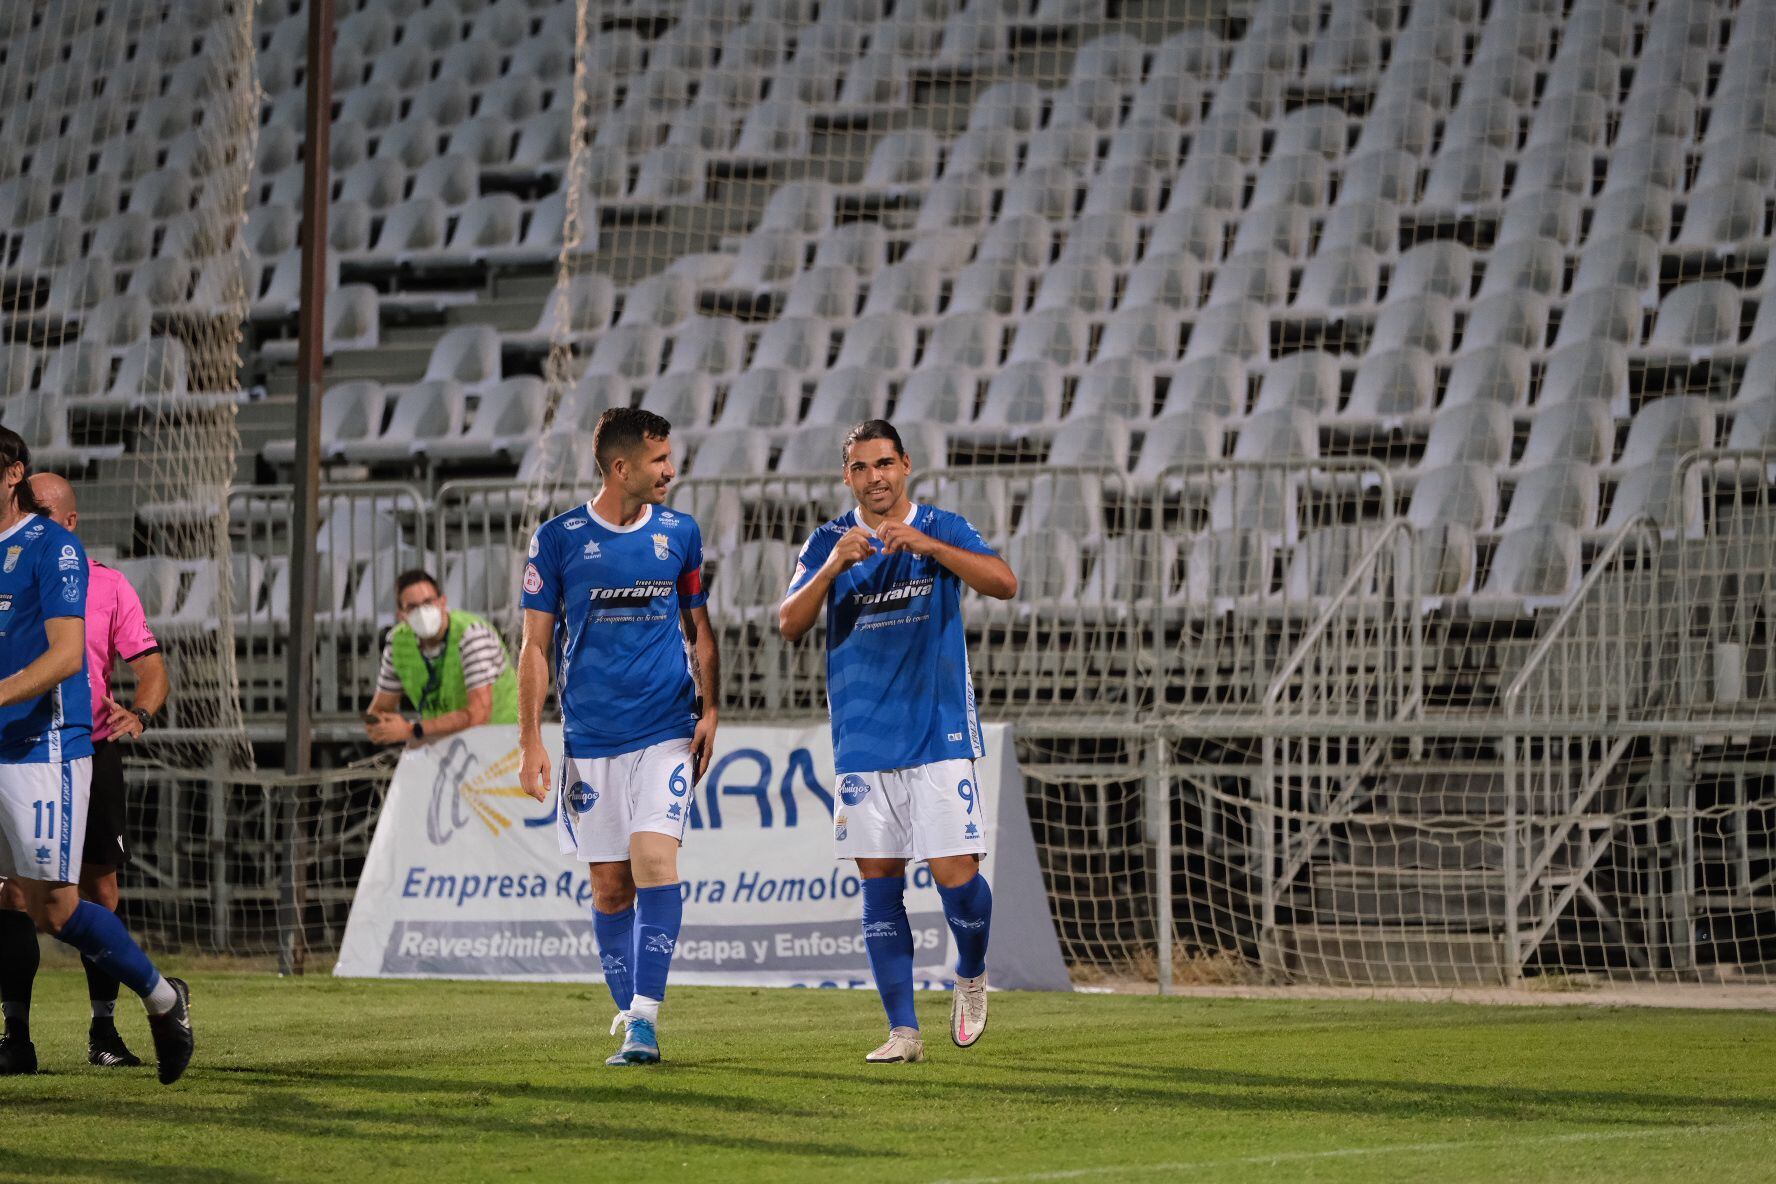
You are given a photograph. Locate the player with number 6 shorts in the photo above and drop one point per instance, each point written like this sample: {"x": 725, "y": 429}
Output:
{"x": 905, "y": 736}
{"x": 614, "y": 608}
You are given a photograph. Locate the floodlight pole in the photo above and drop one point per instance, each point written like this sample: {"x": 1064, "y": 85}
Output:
{"x": 310, "y": 361}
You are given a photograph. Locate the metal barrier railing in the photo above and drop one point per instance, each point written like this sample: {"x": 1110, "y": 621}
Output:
{"x": 369, "y": 533}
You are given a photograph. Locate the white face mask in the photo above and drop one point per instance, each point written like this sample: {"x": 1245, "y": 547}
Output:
{"x": 427, "y": 621}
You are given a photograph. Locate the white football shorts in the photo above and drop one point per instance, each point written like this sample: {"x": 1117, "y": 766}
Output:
{"x": 601, "y": 801}
{"x": 43, "y": 819}
{"x": 921, "y": 812}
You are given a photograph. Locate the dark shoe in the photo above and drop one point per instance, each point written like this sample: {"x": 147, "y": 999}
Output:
{"x": 17, "y": 1056}
{"x": 105, "y": 1048}
{"x": 173, "y": 1041}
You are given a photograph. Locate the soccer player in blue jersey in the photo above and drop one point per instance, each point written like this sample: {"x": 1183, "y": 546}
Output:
{"x": 614, "y": 607}
{"x": 46, "y": 763}
{"x": 905, "y": 736}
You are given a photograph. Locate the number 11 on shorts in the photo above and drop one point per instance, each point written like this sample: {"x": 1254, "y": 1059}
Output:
{"x": 45, "y": 819}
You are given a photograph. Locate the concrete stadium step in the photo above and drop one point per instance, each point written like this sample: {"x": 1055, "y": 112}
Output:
{"x": 1401, "y": 844}
{"x": 1440, "y": 898}
{"x": 1468, "y": 789}
{"x": 1392, "y": 956}
{"x": 506, "y": 312}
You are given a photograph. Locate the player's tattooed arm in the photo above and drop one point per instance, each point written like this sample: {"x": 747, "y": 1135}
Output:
{"x": 706, "y": 671}
{"x": 987, "y": 574}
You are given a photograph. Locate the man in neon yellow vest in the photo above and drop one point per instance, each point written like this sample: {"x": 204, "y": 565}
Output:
{"x": 451, "y": 665}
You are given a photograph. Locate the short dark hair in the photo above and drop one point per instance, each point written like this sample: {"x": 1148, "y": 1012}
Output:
{"x": 872, "y": 429}
{"x": 412, "y": 576}
{"x": 14, "y": 451}
{"x": 622, "y": 429}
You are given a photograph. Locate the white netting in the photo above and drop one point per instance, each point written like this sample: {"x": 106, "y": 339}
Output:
{"x": 1328, "y": 370}
{"x": 129, "y": 138}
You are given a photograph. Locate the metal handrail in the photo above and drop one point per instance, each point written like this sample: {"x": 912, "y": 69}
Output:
{"x": 1323, "y": 622}
{"x": 1600, "y": 567}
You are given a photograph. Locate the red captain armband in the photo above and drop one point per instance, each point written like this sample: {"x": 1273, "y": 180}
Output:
{"x": 691, "y": 583}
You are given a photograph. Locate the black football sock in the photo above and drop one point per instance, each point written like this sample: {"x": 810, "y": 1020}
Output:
{"x": 18, "y": 970}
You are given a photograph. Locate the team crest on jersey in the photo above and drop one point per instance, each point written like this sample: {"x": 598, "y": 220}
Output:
{"x": 12, "y": 557}
{"x": 70, "y": 589}
{"x": 590, "y": 550}
{"x": 70, "y": 558}
{"x": 574, "y": 523}
{"x": 662, "y": 547}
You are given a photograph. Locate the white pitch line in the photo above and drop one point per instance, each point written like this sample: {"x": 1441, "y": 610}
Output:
{"x": 1282, "y": 1157}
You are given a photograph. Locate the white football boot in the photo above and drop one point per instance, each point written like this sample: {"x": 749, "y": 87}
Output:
{"x": 904, "y": 1046}
{"x": 968, "y": 1010}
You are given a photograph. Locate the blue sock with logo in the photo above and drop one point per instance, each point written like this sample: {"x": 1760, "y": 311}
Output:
{"x": 102, "y": 940}
{"x": 616, "y": 953}
{"x": 658, "y": 912}
{"x": 889, "y": 939}
{"x": 969, "y": 910}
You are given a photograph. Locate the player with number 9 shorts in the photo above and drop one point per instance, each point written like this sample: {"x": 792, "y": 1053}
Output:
{"x": 890, "y": 576}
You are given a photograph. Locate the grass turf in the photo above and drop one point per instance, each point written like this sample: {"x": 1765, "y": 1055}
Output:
{"x": 321, "y": 1079}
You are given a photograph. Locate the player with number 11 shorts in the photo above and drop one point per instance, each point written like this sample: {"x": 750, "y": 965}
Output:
{"x": 905, "y": 737}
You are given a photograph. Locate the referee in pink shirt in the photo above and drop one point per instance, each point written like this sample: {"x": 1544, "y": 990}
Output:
{"x": 116, "y": 627}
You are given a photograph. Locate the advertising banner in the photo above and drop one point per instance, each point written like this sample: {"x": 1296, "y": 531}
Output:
{"x": 464, "y": 878}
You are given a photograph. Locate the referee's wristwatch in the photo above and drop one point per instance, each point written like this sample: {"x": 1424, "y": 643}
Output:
{"x": 143, "y": 714}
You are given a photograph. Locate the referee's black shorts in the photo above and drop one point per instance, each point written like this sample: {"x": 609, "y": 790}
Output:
{"x": 105, "y": 809}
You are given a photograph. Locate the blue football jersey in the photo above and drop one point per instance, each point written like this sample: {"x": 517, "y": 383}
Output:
{"x": 622, "y": 671}
{"x": 42, "y": 575}
{"x": 897, "y": 677}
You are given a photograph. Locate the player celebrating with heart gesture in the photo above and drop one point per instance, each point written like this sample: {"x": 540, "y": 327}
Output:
{"x": 905, "y": 735}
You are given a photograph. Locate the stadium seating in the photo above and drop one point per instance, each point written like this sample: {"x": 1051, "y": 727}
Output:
{"x": 1436, "y": 240}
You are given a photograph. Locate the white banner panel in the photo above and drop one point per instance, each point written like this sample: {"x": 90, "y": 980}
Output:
{"x": 464, "y": 878}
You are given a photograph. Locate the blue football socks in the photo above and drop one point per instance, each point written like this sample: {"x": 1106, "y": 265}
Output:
{"x": 102, "y": 939}
{"x": 658, "y": 912}
{"x": 616, "y": 953}
{"x": 889, "y": 939}
{"x": 969, "y": 910}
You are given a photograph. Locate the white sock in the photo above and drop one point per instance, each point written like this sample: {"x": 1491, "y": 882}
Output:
{"x": 643, "y": 1008}
{"x": 162, "y": 998}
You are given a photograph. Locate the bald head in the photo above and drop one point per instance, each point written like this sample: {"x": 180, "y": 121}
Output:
{"x": 56, "y": 497}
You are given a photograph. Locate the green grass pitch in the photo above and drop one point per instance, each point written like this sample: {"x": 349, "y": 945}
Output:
{"x": 319, "y": 1079}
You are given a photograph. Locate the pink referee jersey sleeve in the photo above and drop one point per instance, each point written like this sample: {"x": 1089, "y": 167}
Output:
{"x": 116, "y": 627}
